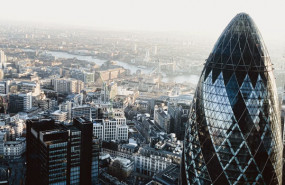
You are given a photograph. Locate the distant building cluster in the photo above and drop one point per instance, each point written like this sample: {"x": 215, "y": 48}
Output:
{"x": 94, "y": 125}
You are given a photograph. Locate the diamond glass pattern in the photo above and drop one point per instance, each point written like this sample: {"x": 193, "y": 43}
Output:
{"x": 234, "y": 130}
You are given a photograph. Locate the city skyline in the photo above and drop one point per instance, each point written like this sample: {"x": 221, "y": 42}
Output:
{"x": 187, "y": 16}
{"x": 142, "y": 92}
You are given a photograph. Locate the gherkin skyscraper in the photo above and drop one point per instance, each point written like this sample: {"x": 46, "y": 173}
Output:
{"x": 234, "y": 130}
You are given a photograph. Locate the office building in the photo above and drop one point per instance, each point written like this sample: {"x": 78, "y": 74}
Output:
{"x": 81, "y": 111}
{"x": 108, "y": 130}
{"x": 67, "y": 86}
{"x": 21, "y": 102}
{"x": 14, "y": 149}
{"x": 67, "y": 107}
{"x": 26, "y": 87}
{"x": 151, "y": 165}
{"x": 86, "y": 77}
{"x": 61, "y": 154}
{"x": 121, "y": 168}
{"x": 234, "y": 130}
{"x": 59, "y": 116}
{"x": 4, "y": 87}
{"x": 3, "y": 60}
{"x": 96, "y": 143}
{"x": 178, "y": 113}
{"x": 162, "y": 118}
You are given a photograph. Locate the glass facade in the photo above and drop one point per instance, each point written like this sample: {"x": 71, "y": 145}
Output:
{"x": 95, "y": 161}
{"x": 57, "y": 163}
{"x": 75, "y": 142}
{"x": 234, "y": 131}
{"x": 61, "y": 154}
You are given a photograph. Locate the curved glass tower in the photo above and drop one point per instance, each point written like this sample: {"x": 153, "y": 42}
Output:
{"x": 234, "y": 130}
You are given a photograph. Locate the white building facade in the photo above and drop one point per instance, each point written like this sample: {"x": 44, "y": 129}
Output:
{"x": 27, "y": 101}
{"x": 59, "y": 116}
{"x": 14, "y": 149}
{"x": 63, "y": 85}
{"x": 108, "y": 130}
{"x": 150, "y": 165}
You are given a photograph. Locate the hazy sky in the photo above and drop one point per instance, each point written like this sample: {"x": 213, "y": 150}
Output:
{"x": 195, "y": 16}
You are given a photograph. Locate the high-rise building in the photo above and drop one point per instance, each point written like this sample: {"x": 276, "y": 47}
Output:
{"x": 3, "y": 60}
{"x": 20, "y": 102}
{"x": 95, "y": 161}
{"x": 4, "y": 87}
{"x": 43, "y": 139}
{"x": 61, "y": 154}
{"x": 67, "y": 107}
{"x": 178, "y": 117}
{"x": 161, "y": 118}
{"x": 234, "y": 130}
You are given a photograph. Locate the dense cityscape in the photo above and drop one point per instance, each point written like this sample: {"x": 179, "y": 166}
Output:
{"x": 87, "y": 106}
{"x": 131, "y": 91}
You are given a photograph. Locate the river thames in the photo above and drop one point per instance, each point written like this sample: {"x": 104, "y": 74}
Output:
{"x": 191, "y": 78}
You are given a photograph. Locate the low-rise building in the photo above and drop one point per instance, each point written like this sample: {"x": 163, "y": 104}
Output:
{"x": 27, "y": 86}
{"x": 142, "y": 106}
{"x": 59, "y": 116}
{"x": 128, "y": 148}
{"x": 63, "y": 85}
{"x": 14, "y": 149}
{"x": 108, "y": 130}
{"x": 81, "y": 111}
{"x": 151, "y": 165}
{"x": 169, "y": 176}
{"x": 121, "y": 168}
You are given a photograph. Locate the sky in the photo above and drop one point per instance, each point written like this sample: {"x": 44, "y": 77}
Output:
{"x": 193, "y": 16}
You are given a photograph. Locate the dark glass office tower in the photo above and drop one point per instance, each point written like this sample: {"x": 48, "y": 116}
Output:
{"x": 234, "y": 130}
{"x": 47, "y": 147}
{"x": 61, "y": 154}
{"x": 95, "y": 161}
